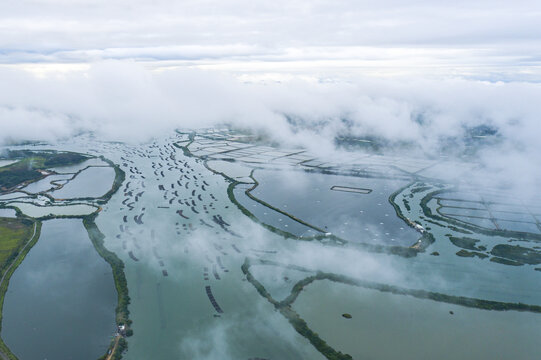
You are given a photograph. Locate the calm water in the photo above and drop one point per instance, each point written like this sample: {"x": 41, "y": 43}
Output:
{"x": 172, "y": 315}
{"x": 356, "y": 217}
{"x": 45, "y": 184}
{"x": 92, "y": 182}
{"x": 417, "y": 328}
{"x": 39, "y": 211}
{"x": 174, "y": 319}
{"x": 270, "y": 216}
{"x": 8, "y": 213}
{"x": 61, "y": 300}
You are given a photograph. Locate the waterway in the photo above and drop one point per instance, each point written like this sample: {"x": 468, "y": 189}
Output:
{"x": 368, "y": 218}
{"x": 91, "y": 182}
{"x": 417, "y": 328}
{"x": 61, "y": 300}
{"x": 170, "y": 258}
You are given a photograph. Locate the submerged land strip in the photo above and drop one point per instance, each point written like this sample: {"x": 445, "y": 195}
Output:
{"x": 302, "y": 328}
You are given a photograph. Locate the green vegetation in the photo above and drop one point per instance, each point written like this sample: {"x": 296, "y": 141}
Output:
{"x": 120, "y": 176}
{"x": 466, "y": 253}
{"x": 121, "y": 347}
{"x": 302, "y": 328}
{"x": 18, "y": 173}
{"x": 426, "y": 239}
{"x": 465, "y": 242}
{"x": 407, "y": 204}
{"x": 122, "y": 312}
{"x": 392, "y": 201}
{"x": 14, "y": 233}
{"x": 420, "y": 189}
{"x": 184, "y": 148}
{"x": 15, "y": 241}
{"x": 517, "y": 254}
{"x": 27, "y": 168}
{"x": 64, "y": 159}
{"x": 433, "y": 222}
{"x": 505, "y": 261}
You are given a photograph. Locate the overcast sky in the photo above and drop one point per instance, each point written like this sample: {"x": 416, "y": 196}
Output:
{"x": 493, "y": 40}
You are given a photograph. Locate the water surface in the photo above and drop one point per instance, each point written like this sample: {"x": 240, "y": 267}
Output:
{"x": 417, "y": 328}
{"x": 61, "y": 300}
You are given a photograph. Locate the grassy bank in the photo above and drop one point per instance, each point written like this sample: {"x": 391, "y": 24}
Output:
{"x": 302, "y": 328}
{"x": 294, "y": 319}
{"x": 427, "y": 238}
{"x": 120, "y": 176}
{"x": 96, "y": 236}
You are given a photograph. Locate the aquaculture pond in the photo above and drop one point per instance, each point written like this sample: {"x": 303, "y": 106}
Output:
{"x": 488, "y": 210}
{"x": 183, "y": 243}
{"x": 61, "y": 300}
{"x": 91, "y": 182}
{"x": 270, "y": 216}
{"x": 46, "y": 185}
{"x": 357, "y": 217}
{"x": 418, "y": 328}
{"x": 7, "y": 162}
{"x": 9, "y": 213}
{"x": 40, "y": 211}
{"x": 170, "y": 224}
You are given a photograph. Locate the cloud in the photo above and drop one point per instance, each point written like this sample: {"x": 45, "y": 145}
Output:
{"x": 122, "y": 100}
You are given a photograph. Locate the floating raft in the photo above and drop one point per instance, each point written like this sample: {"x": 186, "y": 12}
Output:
{"x": 215, "y": 272}
{"x": 351, "y": 189}
{"x": 133, "y": 256}
{"x": 181, "y": 214}
{"x": 203, "y": 222}
{"x": 213, "y": 300}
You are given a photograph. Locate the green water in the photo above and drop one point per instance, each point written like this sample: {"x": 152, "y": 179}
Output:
{"x": 61, "y": 299}
{"x": 386, "y": 326}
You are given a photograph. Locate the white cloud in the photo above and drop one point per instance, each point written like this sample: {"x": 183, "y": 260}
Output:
{"x": 121, "y": 100}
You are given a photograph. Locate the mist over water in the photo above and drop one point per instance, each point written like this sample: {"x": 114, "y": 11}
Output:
{"x": 419, "y": 117}
{"x": 412, "y": 99}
